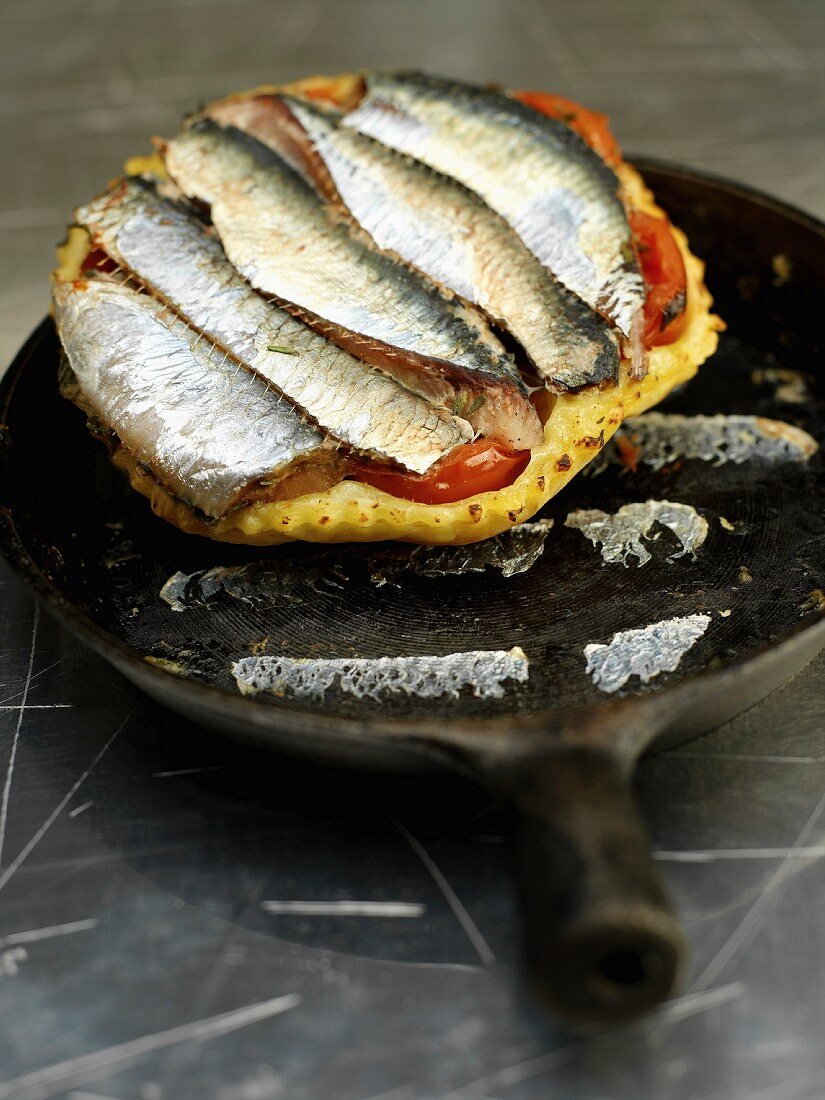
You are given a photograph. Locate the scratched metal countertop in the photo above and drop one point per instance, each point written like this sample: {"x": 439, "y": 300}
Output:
{"x": 139, "y": 959}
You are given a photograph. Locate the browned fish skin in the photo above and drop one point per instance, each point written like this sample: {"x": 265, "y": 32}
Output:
{"x": 444, "y": 229}
{"x": 267, "y": 118}
{"x": 282, "y": 237}
{"x": 558, "y": 195}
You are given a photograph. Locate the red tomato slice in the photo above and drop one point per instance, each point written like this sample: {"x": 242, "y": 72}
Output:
{"x": 592, "y": 126}
{"x": 664, "y": 273}
{"x": 98, "y": 260}
{"x": 473, "y": 468}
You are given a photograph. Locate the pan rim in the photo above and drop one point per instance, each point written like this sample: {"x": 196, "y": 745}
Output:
{"x": 734, "y": 187}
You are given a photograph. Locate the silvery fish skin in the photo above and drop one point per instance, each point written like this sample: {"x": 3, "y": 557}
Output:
{"x": 286, "y": 241}
{"x": 207, "y": 430}
{"x": 557, "y": 194}
{"x": 175, "y": 256}
{"x": 444, "y": 229}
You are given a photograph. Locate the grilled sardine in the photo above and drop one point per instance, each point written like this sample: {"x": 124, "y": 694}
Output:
{"x": 441, "y": 227}
{"x": 558, "y": 195}
{"x": 287, "y": 242}
{"x": 173, "y": 254}
{"x": 210, "y": 432}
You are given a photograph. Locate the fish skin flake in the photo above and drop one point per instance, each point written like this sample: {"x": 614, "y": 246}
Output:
{"x": 644, "y": 652}
{"x": 663, "y": 438}
{"x": 428, "y": 677}
{"x": 620, "y": 534}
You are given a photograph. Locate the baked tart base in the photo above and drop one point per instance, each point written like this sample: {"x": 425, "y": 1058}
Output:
{"x": 576, "y": 430}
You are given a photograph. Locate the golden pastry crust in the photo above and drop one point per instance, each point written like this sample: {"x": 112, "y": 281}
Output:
{"x": 579, "y": 426}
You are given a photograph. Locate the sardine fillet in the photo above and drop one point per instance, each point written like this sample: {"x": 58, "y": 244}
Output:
{"x": 437, "y": 224}
{"x": 205, "y": 428}
{"x": 174, "y": 255}
{"x": 556, "y": 193}
{"x": 285, "y": 241}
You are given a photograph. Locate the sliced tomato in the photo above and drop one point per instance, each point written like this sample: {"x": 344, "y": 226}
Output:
{"x": 592, "y": 126}
{"x": 664, "y": 273}
{"x": 473, "y": 468}
{"x": 98, "y": 260}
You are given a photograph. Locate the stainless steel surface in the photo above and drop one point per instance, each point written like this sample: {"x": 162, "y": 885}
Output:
{"x": 153, "y": 878}
{"x": 137, "y": 853}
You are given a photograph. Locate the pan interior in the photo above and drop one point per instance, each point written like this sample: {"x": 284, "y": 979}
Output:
{"x": 96, "y": 541}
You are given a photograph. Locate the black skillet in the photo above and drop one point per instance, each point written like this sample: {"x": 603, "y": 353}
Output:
{"x": 601, "y": 941}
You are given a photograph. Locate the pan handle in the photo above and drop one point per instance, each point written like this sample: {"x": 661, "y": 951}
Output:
{"x": 600, "y": 939}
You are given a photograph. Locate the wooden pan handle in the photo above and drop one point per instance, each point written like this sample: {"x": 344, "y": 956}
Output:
{"x": 600, "y": 939}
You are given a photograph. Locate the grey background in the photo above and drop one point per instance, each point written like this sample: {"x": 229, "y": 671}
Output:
{"x": 137, "y": 851}
{"x": 735, "y": 87}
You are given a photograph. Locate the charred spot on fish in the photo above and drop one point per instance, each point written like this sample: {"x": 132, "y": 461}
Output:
{"x": 563, "y": 463}
{"x": 540, "y": 482}
{"x": 475, "y": 511}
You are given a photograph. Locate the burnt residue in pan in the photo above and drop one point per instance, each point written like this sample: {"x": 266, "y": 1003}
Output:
{"x": 264, "y": 583}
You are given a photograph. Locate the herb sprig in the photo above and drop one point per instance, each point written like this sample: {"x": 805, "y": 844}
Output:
{"x": 461, "y": 408}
